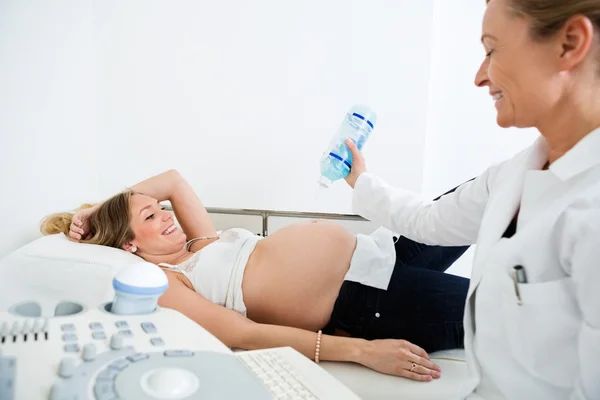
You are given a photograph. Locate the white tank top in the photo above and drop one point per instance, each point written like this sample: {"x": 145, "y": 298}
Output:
{"x": 217, "y": 270}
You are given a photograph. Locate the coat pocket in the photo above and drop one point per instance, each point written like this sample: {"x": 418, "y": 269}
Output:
{"x": 543, "y": 329}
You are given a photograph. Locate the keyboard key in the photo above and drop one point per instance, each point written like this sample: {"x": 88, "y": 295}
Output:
{"x": 138, "y": 357}
{"x": 121, "y": 324}
{"x": 99, "y": 335}
{"x": 67, "y": 327}
{"x": 69, "y": 337}
{"x": 148, "y": 327}
{"x": 126, "y": 333}
{"x": 119, "y": 365}
{"x": 157, "y": 342}
{"x": 72, "y": 348}
{"x": 96, "y": 326}
{"x": 108, "y": 374}
{"x": 178, "y": 353}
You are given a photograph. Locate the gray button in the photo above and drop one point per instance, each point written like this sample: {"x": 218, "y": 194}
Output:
{"x": 69, "y": 337}
{"x": 67, "y": 327}
{"x": 137, "y": 357}
{"x": 108, "y": 375}
{"x": 38, "y": 325}
{"x": 89, "y": 352}
{"x": 119, "y": 365}
{"x": 96, "y": 326}
{"x": 377, "y": 315}
{"x": 178, "y": 353}
{"x": 122, "y": 324}
{"x": 98, "y": 335}
{"x": 148, "y": 327}
{"x": 4, "y": 329}
{"x": 126, "y": 333}
{"x": 157, "y": 341}
{"x": 116, "y": 341}
{"x": 66, "y": 367}
{"x": 72, "y": 348}
{"x": 104, "y": 390}
{"x": 27, "y": 326}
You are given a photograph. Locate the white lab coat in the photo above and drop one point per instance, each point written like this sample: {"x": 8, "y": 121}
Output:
{"x": 548, "y": 345}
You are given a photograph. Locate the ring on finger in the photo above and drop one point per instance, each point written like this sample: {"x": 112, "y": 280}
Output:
{"x": 412, "y": 368}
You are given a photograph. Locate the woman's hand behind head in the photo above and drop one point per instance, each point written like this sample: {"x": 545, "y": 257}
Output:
{"x": 80, "y": 223}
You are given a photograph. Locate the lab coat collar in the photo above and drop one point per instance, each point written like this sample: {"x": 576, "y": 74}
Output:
{"x": 583, "y": 156}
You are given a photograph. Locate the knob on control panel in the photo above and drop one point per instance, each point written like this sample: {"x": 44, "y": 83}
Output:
{"x": 89, "y": 352}
{"x": 116, "y": 341}
{"x": 66, "y": 367}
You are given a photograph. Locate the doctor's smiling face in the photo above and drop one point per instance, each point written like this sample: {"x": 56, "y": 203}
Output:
{"x": 530, "y": 64}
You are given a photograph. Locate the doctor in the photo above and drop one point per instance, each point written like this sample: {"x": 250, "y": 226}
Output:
{"x": 536, "y": 336}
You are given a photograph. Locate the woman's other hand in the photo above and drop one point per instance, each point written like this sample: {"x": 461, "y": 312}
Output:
{"x": 80, "y": 224}
{"x": 396, "y": 357}
{"x": 358, "y": 164}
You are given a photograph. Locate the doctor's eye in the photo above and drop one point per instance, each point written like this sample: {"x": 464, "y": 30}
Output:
{"x": 489, "y": 53}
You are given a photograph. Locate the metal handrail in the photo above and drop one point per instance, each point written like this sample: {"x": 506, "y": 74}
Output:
{"x": 265, "y": 214}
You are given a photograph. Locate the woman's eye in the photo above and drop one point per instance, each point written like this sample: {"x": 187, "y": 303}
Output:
{"x": 149, "y": 217}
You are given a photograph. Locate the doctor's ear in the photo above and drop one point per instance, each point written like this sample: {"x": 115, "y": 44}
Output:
{"x": 130, "y": 247}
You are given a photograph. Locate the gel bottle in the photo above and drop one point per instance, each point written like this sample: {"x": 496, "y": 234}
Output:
{"x": 337, "y": 159}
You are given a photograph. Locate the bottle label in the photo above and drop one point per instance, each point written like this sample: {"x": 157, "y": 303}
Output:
{"x": 361, "y": 129}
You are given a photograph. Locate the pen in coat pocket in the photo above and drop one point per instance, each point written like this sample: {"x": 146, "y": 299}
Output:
{"x": 519, "y": 276}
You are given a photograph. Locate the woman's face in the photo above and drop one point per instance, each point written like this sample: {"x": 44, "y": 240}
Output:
{"x": 154, "y": 229}
{"x": 521, "y": 73}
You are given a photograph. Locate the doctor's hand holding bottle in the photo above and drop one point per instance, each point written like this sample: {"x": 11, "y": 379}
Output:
{"x": 358, "y": 164}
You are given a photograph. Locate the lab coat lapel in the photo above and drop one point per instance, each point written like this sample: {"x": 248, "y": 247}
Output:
{"x": 503, "y": 205}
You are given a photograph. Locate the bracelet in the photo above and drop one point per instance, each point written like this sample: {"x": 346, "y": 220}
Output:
{"x": 318, "y": 348}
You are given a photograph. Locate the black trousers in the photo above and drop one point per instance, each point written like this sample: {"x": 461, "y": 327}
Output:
{"x": 422, "y": 304}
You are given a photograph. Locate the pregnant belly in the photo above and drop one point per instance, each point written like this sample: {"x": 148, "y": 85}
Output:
{"x": 294, "y": 276}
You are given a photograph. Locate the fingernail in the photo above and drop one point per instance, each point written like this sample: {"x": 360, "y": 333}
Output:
{"x": 437, "y": 375}
{"x": 429, "y": 377}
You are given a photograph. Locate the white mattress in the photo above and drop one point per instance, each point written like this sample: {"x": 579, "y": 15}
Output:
{"x": 371, "y": 385}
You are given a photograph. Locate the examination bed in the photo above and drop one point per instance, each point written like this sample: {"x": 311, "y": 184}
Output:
{"x": 53, "y": 276}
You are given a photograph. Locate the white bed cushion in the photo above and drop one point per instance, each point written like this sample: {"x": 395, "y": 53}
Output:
{"x": 53, "y": 269}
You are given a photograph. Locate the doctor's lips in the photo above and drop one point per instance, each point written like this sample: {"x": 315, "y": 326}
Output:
{"x": 169, "y": 230}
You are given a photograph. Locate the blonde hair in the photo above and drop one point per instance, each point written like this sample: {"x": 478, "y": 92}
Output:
{"x": 109, "y": 224}
{"x": 549, "y": 16}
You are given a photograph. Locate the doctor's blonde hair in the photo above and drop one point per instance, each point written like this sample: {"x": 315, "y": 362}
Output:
{"x": 549, "y": 16}
{"x": 109, "y": 224}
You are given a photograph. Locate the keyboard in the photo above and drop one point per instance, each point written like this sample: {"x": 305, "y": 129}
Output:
{"x": 288, "y": 375}
{"x": 282, "y": 380}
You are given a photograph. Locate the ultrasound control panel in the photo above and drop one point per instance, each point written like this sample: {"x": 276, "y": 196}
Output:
{"x": 98, "y": 355}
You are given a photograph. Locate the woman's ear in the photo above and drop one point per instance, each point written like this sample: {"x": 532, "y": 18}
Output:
{"x": 130, "y": 247}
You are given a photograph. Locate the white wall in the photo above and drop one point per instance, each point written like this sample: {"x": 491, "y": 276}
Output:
{"x": 242, "y": 97}
{"x": 462, "y": 136}
{"x": 47, "y": 113}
